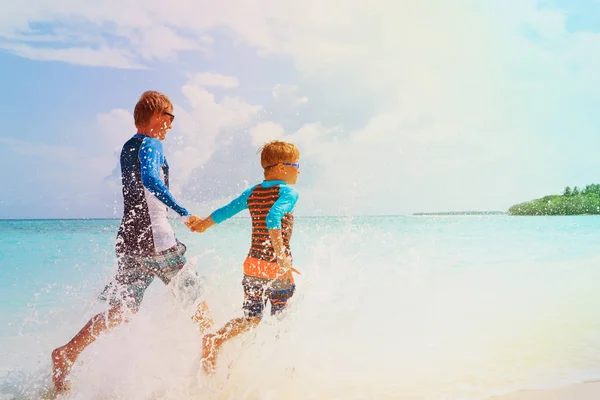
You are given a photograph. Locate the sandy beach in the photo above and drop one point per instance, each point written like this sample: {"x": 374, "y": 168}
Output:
{"x": 584, "y": 391}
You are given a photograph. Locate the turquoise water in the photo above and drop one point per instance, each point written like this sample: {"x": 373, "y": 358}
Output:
{"x": 420, "y": 307}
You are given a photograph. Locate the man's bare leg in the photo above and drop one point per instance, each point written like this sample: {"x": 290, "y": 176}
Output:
{"x": 212, "y": 342}
{"x": 64, "y": 357}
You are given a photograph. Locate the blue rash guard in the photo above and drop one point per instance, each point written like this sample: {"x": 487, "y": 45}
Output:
{"x": 286, "y": 202}
{"x": 144, "y": 229}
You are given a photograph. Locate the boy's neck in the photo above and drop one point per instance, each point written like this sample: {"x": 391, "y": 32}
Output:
{"x": 274, "y": 176}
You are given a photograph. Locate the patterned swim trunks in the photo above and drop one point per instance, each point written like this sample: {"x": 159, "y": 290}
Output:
{"x": 257, "y": 291}
{"x": 135, "y": 274}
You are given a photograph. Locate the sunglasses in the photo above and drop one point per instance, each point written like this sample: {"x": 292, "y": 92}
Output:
{"x": 170, "y": 115}
{"x": 295, "y": 165}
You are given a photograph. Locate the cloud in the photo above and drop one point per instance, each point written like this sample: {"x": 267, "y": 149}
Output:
{"x": 160, "y": 42}
{"x": 96, "y": 34}
{"x": 206, "y": 79}
{"x": 264, "y": 132}
{"x": 286, "y": 95}
{"x": 199, "y": 127}
{"x": 102, "y": 57}
{"x": 112, "y": 126}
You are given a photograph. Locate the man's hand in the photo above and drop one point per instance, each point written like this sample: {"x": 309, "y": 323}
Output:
{"x": 192, "y": 221}
{"x": 200, "y": 225}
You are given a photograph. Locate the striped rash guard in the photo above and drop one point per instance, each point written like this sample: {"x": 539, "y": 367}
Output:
{"x": 270, "y": 204}
{"x": 145, "y": 230}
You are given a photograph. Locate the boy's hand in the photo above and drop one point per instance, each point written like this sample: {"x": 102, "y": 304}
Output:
{"x": 201, "y": 225}
{"x": 287, "y": 276}
{"x": 286, "y": 269}
{"x": 192, "y": 220}
{"x": 284, "y": 262}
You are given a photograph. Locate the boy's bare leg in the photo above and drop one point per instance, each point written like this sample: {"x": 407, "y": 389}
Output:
{"x": 203, "y": 317}
{"x": 212, "y": 343}
{"x": 64, "y": 357}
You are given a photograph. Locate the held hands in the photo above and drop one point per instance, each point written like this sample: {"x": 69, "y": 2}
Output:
{"x": 191, "y": 221}
{"x": 197, "y": 224}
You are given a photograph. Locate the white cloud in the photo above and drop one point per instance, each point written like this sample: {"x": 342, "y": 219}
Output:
{"x": 199, "y": 127}
{"x": 101, "y": 57}
{"x": 114, "y": 127}
{"x": 207, "y": 79}
{"x": 266, "y": 131}
{"x": 160, "y": 42}
{"x": 286, "y": 95}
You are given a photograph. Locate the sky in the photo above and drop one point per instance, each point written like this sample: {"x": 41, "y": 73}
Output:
{"x": 396, "y": 106}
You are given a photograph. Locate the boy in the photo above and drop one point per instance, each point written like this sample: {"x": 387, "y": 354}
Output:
{"x": 268, "y": 265}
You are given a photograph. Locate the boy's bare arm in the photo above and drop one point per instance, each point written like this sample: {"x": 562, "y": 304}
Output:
{"x": 285, "y": 264}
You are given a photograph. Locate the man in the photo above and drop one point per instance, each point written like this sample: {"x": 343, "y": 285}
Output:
{"x": 146, "y": 246}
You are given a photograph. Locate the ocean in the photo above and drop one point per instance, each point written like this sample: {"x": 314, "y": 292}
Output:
{"x": 389, "y": 307}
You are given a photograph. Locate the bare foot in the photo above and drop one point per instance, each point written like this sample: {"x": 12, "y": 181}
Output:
{"x": 61, "y": 367}
{"x": 209, "y": 354}
{"x": 203, "y": 317}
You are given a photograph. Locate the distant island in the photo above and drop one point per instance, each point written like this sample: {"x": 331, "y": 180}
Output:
{"x": 572, "y": 202}
{"x": 462, "y": 213}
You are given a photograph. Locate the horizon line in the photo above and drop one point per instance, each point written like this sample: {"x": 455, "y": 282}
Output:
{"x": 245, "y": 217}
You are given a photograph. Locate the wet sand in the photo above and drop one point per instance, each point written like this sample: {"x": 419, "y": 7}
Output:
{"x": 583, "y": 391}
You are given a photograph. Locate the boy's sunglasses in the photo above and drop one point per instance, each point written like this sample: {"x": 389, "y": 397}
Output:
{"x": 170, "y": 115}
{"x": 295, "y": 165}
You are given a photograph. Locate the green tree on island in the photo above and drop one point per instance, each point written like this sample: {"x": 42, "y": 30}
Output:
{"x": 571, "y": 202}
